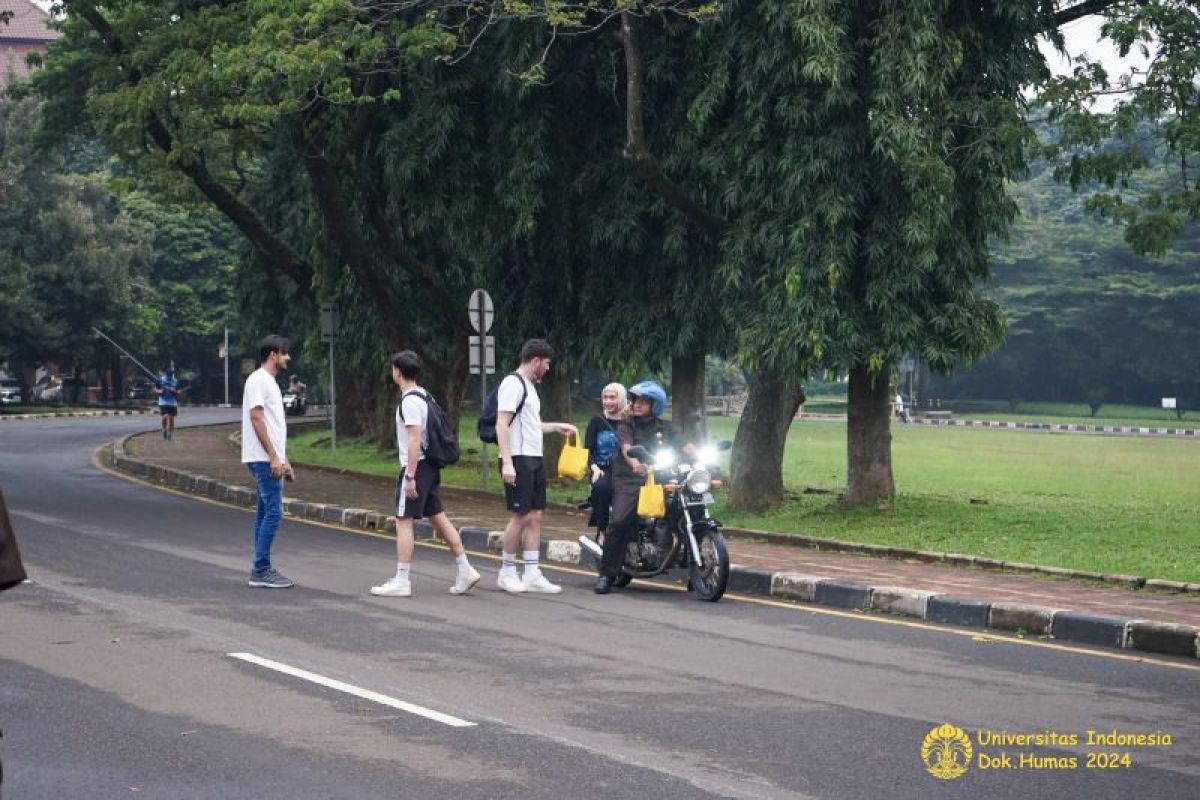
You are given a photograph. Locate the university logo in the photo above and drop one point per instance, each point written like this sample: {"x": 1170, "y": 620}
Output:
{"x": 947, "y": 752}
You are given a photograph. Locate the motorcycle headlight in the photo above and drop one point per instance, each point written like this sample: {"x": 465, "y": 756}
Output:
{"x": 709, "y": 455}
{"x": 664, "y": 459}
{"x": 699, "y": 481}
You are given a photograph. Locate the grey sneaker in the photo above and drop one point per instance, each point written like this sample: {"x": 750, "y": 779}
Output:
{"x": 269, "y": 578}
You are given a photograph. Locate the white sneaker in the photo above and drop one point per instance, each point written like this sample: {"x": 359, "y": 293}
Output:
{"x": 510, "y": 581}
{"x": 466, "y": 579}
{"x": 538, "y": 583}
{"x": 395, "y": 587}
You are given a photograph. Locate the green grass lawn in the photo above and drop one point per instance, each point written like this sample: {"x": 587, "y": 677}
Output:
{"x": 1105, "y": 503}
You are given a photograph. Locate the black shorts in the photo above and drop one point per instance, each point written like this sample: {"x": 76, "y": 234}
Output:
{"x": 428, "y": 502}
{"x": 169, "y": 411}
{"x": 529, "y": 493}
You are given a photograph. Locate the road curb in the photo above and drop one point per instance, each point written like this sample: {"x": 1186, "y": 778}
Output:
{"x": 1065, "y": 625}
{"x": 115, "y": 412}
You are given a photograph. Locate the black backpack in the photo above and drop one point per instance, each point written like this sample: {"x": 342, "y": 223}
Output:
{"x": 491, "y": 410}
{"x": 442, "y": 447}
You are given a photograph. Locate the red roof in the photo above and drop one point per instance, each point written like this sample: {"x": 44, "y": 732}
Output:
{"x": 28, "y": 23}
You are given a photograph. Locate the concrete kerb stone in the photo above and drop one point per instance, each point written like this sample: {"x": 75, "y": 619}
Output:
{"x": 1075, "y": 626}
{"x": 843, "y": 594}
{"x": 475, "y": 538}
{"x": 956, "y": 610}
{"x": 795, "y": 586}
{"x": 566, "y": 552}
{"x": 1173, "y": 586}
{"x": 749, "y": 580}
{"x": 1163, "y": 637}
{"x": 1018, "y": 617}
{"x": 900, "y": 600}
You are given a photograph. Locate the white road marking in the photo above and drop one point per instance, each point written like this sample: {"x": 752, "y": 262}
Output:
{"x": 366, "y": 694}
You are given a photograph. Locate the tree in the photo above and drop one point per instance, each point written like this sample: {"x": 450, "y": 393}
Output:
{"x": 68, "y": 256}
{"x": 1154, "y": 122}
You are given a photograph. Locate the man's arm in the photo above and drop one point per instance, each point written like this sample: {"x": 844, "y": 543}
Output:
{"x": 507, "y": 471}
{"x": 414, "y": 457}
{"x": 279, "y": 466}
{"x": 565, "y": 428}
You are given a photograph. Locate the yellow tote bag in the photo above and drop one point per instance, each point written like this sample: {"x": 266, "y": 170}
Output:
{"x": 573, "y": 461}
{"x": 651, "y": 500}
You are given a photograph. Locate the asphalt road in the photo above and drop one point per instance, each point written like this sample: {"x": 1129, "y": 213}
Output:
{"x": 116, "y": 678}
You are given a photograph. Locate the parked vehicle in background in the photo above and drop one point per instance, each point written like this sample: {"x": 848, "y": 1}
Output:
{"x": 60, "y": 389}
{"x": 10, "y": 391}
{"x": 46, "y": 389}
{"x": 139, "y": 389}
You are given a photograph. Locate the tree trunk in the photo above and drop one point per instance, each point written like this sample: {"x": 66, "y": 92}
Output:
{"x": 365, "y": 407}
{"x": 687, "y": 397}
{"x": 868, "y": 439}
{"x": 757, "y": 463}
{"x": 451, "y": 381}
{"x": 555, "y": 393}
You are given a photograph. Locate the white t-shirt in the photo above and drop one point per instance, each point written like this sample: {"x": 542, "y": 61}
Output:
{"x": 416, "y": 412}
{"x": 261, "y": 390}
{"x": 525, "y": 431}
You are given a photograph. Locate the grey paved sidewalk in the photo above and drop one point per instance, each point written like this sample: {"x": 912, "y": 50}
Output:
{"x": 207, "y": 451}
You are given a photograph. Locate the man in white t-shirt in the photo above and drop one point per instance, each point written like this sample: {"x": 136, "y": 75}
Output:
{"x": 418, "y": 489}
{"x": 264, "y": 452}
{"x": 898, "y": 404}
{"x": 519, "y": 430}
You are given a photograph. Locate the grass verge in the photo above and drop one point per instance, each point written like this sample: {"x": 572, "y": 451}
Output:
{"x": 1103, "y": 503}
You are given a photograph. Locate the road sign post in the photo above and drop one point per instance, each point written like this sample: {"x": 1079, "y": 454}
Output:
{"x": 330, "y": 320}
{"x": 482, "y": 354}
{"x": 224, "y": 353}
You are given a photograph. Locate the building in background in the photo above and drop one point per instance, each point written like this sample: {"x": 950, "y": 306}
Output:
{"x": 26, "y": 32}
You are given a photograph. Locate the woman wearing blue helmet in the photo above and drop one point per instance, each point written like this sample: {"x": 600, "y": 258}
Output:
{"x": 645, "y": 427}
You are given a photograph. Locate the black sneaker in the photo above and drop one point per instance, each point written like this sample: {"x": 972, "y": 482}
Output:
{"x": 269, "y": 578}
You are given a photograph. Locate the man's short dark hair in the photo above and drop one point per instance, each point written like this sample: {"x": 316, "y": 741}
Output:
{"x": 409, "y": 364}
{"x": 536, "y": 348}
{"x": 271, "y": 344}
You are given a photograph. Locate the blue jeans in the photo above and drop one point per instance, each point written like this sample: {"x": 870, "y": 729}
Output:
{"x": 269, "y": 513}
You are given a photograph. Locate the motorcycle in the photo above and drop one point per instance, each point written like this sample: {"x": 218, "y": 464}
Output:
{"x": 295, "y": 404}
{"x": 687, "y": 537}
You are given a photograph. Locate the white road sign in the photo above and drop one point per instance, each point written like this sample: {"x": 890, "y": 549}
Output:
{"x": 481, "y": 311}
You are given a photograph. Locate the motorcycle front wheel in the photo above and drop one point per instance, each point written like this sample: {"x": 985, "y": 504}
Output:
{"x": 710, "y": 577}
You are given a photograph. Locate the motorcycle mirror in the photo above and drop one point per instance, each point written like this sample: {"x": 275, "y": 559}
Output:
{"x": 640, "y": 453}
{"x": 724, "y": 444}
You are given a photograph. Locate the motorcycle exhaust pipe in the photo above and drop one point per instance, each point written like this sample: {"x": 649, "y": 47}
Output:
{"x": 596, "y": 549}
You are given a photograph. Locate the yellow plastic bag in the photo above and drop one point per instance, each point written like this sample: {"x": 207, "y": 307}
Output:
{"x": 573, "y": 461}
{"x": 651, "y": 500}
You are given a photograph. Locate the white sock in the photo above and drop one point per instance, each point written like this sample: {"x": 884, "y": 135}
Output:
{"x": 462, "y": 561}
{"x": 508, "y": 562}
{"x": 402, "y": 568}
{"x": 531, "y": 562}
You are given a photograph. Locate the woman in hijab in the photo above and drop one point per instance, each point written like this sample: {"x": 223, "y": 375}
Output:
{"x": 600, "y": 439}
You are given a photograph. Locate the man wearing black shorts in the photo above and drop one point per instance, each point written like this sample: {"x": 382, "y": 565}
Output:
{"x": 418, "y": 494}
{"x": 519, "y": 430}
{"x": 167, "y": 389}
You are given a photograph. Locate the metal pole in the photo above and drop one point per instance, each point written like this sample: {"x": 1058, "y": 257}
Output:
{"x": 332, "y": 402}
{"x": 483, "y": 395}
{"x": 227, "y": 367}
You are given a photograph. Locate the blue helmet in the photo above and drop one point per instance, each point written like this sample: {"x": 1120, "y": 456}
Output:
{"x": 652, "y": 391}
